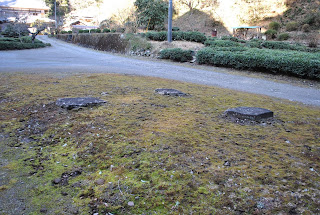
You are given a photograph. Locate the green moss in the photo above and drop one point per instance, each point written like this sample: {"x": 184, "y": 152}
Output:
{"x": 156, "y": 150}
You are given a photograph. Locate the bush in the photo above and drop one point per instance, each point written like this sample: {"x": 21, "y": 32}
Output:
{"x": 175, "y": 29}
{"x": 292, "y": 26}
{"x": 193, "y": 36}
{"x": 221, "y": 43}
{"x": 254, "y": 44}
{"x": 234, "y": 39}
{"x": 274, "y": 26}
{"x": 283, "y": 36}
{"x": 138, "y": 43}
{"x": 10, "y": 45}
{"x": 282, "y": 45}
{"x": 95, "y": 31}
{"x": 271, "y": 33}
{"x": 157, "y": 36}
{"x": 306, "y": 28}
{"x": 294, "y": 63}
{"x": 83, "y": 31}
{"x": 176, "y": 54}
{"x": 106, "y": 30}
{"x": 313, "y": 20}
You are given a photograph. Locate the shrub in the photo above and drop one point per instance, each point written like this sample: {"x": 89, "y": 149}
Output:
{"x": 193, "y": 36}
{"x": 306, "y": 28}
{"x": 138, "y": 43}
{"x": 176, "y": 54}
{"x": 292, "y": 26}
{"x": 313, "y": 20}
{"x": 282, "y": 45}
{"x": 106, "y": 30}
{"x": 295, "y": 63}
{"x": 95, "y": 31}
{"x": 83, "y": 31}
{"x": 175, "y": 29}
{"x": 157, "y": 36}
{"x": 254, "y": 44}
{"x": 283, "y": 36}
{"x": 274, "y": 26}
{"x": 11, "y": 45}
{"x": 313, "y": 41}
{"x": 234, "y": 39}
{"x": 221, "y": 43}
{"x": 271, "y": 33}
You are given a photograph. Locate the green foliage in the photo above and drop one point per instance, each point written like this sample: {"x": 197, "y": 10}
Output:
{"x": 283, "y": 36}
{"x": 66, "y": 32}
{"x": 151, "y": 13}
{"x": 106, "y": 30}
{"x": 301, "y": 64}
{"x": 292, "y": 26}
{"x": 62, "y": 7}
{"x": 274, "y": 26}
{"x": 15, "y": 44}
{"x": 16, "y": 30}
{"x": 192, "y": 36}
{"x": 221, "y": 43}
{"x": 95, "y": 31}
{"x": 271, "y": 33}
{"x": 83, "y": 31}
{"x": 283, "y": 45}
{"x": 175, "y": 29}
{"x": 138, "y": 43}
{"x": 306, "y": 28}
{"x": 176, "y": 54}
{"x": 313, "y": 20}
{"x": 234, "y": 39}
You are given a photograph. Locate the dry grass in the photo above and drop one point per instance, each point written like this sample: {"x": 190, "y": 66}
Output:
{"x": 168, "y": 155}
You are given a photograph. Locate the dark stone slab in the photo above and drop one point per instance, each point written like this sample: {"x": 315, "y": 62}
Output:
{"x": 72, "y": 103}
{"x": 249, "y": 113}
{"x": 170, "y": 92}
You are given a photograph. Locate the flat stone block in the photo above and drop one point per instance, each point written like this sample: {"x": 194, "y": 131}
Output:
{"x": 72, "y": 103}
{"x": 249, "y": 113}
{"x": 170, "y": 92}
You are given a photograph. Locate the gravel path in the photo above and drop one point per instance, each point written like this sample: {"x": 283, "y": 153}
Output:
{"x": 68, "y": 58}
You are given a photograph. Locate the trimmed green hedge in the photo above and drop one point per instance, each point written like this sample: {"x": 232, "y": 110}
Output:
{"x": 300, "y": 64}
{"x": 176, "y": 54}
{"x": 283, "y": 45}
{"x": 222, "y": 43}
{"x": 9, "y": 43}
{"x": 193, "y": 36}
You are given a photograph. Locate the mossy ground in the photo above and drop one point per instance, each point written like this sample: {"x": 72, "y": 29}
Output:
{"x": 168, "y": 155}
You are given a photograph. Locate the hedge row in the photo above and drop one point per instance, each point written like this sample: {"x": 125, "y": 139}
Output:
{"x": 176, "y": 54}
{"x": 301, "y": 64}
{"x": 225, "y": 42}
{"x": 9, "y": 45}
{"x": 193, "y": 36}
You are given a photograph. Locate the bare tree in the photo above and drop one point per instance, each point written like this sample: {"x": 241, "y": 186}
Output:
{"x": 39, "y": 27}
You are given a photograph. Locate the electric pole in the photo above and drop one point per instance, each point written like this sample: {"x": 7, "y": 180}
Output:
{"x": 170, "y": 22}
{"x": 55, "y": 12}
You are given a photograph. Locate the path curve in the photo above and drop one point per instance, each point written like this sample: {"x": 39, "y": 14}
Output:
{"x": 68, "y": 58}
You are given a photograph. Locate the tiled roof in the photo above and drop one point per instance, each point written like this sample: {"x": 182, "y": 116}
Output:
{"x": 39, "y": 4}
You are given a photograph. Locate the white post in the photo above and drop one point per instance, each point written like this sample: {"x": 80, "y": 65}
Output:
{"x": 170, "y": 22}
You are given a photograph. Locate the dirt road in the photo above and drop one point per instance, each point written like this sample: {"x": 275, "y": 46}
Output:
{"x": 64, "y": 58}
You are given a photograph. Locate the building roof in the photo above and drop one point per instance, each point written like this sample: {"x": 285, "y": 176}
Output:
{"x": 27, "y": 4}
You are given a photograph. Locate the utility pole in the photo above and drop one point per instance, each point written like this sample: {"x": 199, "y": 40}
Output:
{"x": 170, "y": 22}
{"x": 55, "y": 12}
